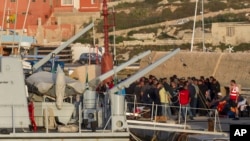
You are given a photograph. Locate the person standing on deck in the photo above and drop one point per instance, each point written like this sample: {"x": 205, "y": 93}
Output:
{"x": 174, "y": 98}
{"x": 165, "y": 102}
{"x": 202, "y": 97}
{"x": 197, "y": 90}
{"x": 193, "y": 96}
{"x": 233, "y": 97}
{"x": 184, "y": 100}
{"x": 215, "y": 88}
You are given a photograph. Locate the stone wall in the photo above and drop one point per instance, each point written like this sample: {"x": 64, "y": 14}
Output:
{"x": 223, "y": 66}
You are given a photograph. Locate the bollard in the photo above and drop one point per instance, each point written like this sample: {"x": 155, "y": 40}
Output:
{"x": 210, "y": 124}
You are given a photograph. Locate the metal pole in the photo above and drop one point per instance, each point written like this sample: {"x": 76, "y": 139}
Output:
{"x": 8, "y": 22}
{"x": 215, "y": 115}
{"x": 156, "y": 109}
{"x": 24, "y": 23}
{"x": 179, "y": 117}
{"x": 134, "y": 104}
{"x": 115, "y": 63}
{"x": 93, "y": 21}
{"x": 47, "y": 119}
{"x": 195, "y": 13}
{"x": 94, "y": 82}
{"x": 4, "y": 12}
{"x": 142, "y": 72}
{"x": 53, "y": 69}
{"x": 152, "y": 112}
{"x": 61, "y": 47}
{"x": 203, "y": 28}
{"x": 13, "y": 119}
{"x": 13, "y": 39}
{"x": 185, "y": 118}
{"x": 79, "y": 117}
{"x": 105, "y": 26}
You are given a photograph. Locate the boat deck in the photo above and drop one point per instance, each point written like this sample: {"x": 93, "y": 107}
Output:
{"x": 195, "y": 130}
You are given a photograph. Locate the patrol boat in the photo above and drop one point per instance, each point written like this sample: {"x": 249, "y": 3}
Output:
{"x": 51, "y": 118}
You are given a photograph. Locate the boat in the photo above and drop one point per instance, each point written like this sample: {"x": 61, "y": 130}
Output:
{"x": 89, "y": 117}
{"x": 50, "y": 106}
{"x": 93, "y": 121}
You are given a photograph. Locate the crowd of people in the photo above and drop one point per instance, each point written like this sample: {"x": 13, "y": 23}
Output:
{"x": 197, "y": 95}
{"x": 176, "y": 95}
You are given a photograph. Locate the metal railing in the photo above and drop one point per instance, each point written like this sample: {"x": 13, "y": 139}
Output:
{"x": 154, "y": 113}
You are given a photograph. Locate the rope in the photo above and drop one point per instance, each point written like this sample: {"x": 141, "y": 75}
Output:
{"x": 172, "y": 136}
{"x": 182, "y": 137}
{"x": 134, "y": 136}
{"x": 154, "y": 138}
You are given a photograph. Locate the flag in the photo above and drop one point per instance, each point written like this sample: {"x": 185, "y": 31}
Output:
{"x": 11, "y": 19}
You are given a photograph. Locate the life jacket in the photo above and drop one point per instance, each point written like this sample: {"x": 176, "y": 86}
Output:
{"x": 221, "y": 105}
{"x": 233, "y": 93}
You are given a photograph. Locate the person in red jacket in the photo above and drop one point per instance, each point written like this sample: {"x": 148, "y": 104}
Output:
{"x": 184, "y": 100}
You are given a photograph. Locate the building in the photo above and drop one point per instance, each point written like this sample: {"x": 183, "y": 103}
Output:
{"x": 15, "y": 10}
{"x": 230, "y": 33}
{"x": 46, "y": 20}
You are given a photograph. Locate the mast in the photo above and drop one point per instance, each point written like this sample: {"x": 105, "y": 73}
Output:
{"x": 195, "y": 13}
{"x": 107, "y": 59}
{"x": 8, "y": 22}
{"x": 4, "y": 12}
{"x": 203, "y": 28}
{"x": 24, "y": 24}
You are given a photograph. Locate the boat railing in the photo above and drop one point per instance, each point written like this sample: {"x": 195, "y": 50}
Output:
{"x": 18, "y": 121}
{"x": 138, "y": 112}
{"x": 151, "y": 112}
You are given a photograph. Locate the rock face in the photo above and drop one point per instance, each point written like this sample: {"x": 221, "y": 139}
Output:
{"x": 223, "y": 66}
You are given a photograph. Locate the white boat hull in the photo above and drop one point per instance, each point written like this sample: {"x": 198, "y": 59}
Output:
{"x": 86, "y": 136}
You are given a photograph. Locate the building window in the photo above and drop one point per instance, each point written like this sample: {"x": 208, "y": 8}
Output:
{"x": 12, "y": 0}
{"x": 92, "y": 1}
{"x": 33, "y": 0}
{"x": 67, "y": 2}
{"x": 230, "y": 31}
{"x": 44, "y": 0}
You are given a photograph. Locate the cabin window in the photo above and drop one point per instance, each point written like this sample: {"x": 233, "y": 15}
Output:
{"x": 67, "y": 2}
{"x": 230, "y": 31}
